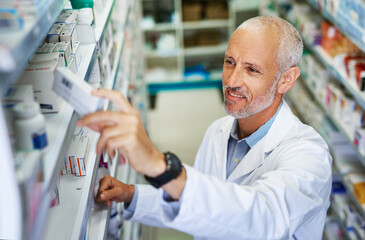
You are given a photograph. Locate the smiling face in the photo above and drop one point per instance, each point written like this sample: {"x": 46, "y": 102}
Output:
{"x": 249, "y": 72}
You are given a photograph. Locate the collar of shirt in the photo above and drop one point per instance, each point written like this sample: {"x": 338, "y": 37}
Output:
{"x": 258, "y": 134}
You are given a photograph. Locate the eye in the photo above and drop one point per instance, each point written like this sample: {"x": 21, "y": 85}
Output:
{"x": 252, "y": 70}
{"x": 228, "y": 61}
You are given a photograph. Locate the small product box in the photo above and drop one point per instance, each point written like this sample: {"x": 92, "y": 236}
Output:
{"x": 76, "y": 92}
{"x": 44, "y": 57}
{"x": 69, "y": 34}
{"x": 64, "y": 50}
{"x": 19, "y": 93}
{"x": 76, "y": 54}
{"x": 63, "y": 168}
{"x": 359, "y": 140}
{"x": 70, "y": 156}
{"x": 55, "y": 32}
{"x": 41, "y": 76}
{"x": 67, "y": 16}
{"x": 81, "y": 156}
{"x": 46, "y": 48}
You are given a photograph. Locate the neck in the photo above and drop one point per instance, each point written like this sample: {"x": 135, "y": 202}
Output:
{"x": 248, "y": 125}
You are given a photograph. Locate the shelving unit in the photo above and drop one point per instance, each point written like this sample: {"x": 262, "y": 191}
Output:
{"x": 183, "y": 56}
{"x": 77, "y": 214}
{"x": 16, "y": 47}
{"x": 339, "y": 74}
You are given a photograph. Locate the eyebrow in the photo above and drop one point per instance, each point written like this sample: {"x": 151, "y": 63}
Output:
{"x": 254, "y": 65}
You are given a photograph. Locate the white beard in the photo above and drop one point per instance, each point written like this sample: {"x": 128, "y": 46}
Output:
{"x": 258, "y": 105}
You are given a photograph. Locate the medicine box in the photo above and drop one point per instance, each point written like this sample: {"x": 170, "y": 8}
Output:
{"x": 41, "y": 76}
{"x": 54, "y": 33}
{"x": 69, "y": 34}
{"x": 46, "y": 48}
{"x": 70, "y": 156}
{"x": 44, "y": 57}
{"x": 72, "y": 65}
{"x": 67, "y": 16}
{"x": 64, "y": 50}
{"x": 81, "y": 156}
{"x": 19, "y": 93}
{"x": 76, "y": 92}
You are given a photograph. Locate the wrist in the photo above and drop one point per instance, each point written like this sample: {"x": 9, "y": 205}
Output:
{"x": 158, "y": 166}
{"x": 131, "y": 190}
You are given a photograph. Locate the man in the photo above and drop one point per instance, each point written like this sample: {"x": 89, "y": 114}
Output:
{"x": 259, "y": 173}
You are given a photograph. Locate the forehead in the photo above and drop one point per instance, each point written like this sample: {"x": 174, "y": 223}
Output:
{"x": 257, "y": 46}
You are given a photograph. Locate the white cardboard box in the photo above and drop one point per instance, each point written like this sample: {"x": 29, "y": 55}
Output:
{"x": 41, "y": 76}
{"x": 76, "y": 92}
{"x": 81, "y": 155}
{"x": 54, "y": 33}
{"x": 64, "y": 50}
{"x": 69, "y": 34}
{"x": 70, "y": 156}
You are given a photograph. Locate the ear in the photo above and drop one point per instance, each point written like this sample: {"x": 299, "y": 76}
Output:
{"x": 288, "y": 79}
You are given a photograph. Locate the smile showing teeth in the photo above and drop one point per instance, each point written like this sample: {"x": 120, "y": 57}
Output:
{"x": 235, "y": 95}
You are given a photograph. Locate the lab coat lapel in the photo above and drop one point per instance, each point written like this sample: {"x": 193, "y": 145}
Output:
{"x": 220, "y": 149}
{"x": 254, "y": 158}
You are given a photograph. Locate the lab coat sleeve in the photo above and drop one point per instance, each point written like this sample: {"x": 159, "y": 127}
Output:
{"x": 148, "y": 207}
{"x": 273, "y": 207}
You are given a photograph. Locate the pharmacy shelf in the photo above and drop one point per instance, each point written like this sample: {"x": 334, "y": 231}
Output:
{"x": 161, "y": 27}
{"x": 342, "y": 25}
{"x": 206, "y": 50}
{"x": 336, "y": 121}
{"x": 68, "y": 220}
{"x": 58, "y": 123}
{"x": 102, "y": 21}
{"x": 360, "y": 208}
{"x": 205, "y": 24}
{"x": 163, "y": 53}
{"x": 16, "y": 47}
{"x": 339, "y": 73}
{"x": 99, "y": 215}
{"x": 341, "y": 223}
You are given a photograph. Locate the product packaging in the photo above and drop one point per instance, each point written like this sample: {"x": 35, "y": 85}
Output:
{"x": 69, "y": 34}
{"x": 41, "y": 76}
{"x": 29, "y": 126}
{"x": 44, "y": 57}
{"x": 55, "y": 32}
{"x": 64, "y": 50}
{"x": 46, "y": 48}
{"x": 18, "y": 93}
{"x": 67, "y": 16}
{"x": 81, "y": 156}
{"x": 70, "y": 156}
{"x": 76, "y": 54}
{"x": 76, "y": 92}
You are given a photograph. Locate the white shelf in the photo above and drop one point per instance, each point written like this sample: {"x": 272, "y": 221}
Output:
{"x": 163, "y": 53}
{"x": 102, "y": 20}
{"x": 221, "y": 23}
{"x": 16, "y": 47}
{"x": 161, "y": 27}
{"x": 206, "y": 50}
{"x": 58, "y": 123}
{"x": 68, "y": 219}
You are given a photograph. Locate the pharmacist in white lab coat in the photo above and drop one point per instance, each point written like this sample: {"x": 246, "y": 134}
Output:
{"x": 259, "y": 173}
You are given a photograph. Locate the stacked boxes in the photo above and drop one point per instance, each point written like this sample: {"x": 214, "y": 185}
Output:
{"x": 76, "y": 158}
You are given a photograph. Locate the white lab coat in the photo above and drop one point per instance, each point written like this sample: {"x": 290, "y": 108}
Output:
{"x": 280, "y": 189}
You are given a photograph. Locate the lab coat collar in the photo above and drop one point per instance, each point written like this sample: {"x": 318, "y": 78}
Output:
{"x": 280, "y": 128}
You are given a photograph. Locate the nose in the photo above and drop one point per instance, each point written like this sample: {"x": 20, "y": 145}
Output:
{"x": 233, "y": 77}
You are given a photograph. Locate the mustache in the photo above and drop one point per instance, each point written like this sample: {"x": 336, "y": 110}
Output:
{"x": 239, "y": 90}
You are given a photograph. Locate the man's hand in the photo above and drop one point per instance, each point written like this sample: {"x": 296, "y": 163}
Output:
{"x": 110, "y": 189}
{"x": 124, "y": 131}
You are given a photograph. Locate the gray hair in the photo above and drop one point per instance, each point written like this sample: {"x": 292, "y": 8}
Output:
{"x": 291, "y": 45}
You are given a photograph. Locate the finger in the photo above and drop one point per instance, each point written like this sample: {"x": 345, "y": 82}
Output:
{"x": 105, "y": 183}
{"x": 108, "y": 133}
{"x": 100, "y": 118}
{"x": 108, "y": 195}
{"x": 116, "y": 97}
{"x": 122, "y": 143}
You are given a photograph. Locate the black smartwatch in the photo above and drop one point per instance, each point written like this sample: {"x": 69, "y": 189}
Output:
{"x": 173, "y": 170}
